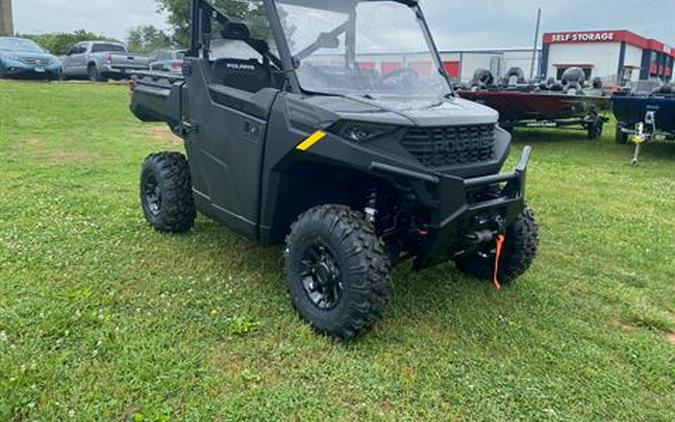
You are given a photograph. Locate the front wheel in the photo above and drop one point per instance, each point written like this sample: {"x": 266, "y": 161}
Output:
{"x": 520, "y": 248}
{"x": 339, "y": 276}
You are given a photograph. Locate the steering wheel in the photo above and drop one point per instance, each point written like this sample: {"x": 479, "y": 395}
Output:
{"x": 398, "y": 76}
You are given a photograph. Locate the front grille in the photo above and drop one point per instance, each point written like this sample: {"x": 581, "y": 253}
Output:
{"x": 451, "y": 145}
{"x": 34, "y": 60}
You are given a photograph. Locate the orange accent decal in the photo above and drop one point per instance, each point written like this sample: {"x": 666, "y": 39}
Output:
{"x": 500, "y": 246}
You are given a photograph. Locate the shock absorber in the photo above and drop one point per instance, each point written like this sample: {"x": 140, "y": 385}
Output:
{"x": 371, "y": 204}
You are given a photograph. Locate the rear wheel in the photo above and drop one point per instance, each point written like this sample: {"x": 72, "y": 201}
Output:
{"x": 595, "y": 129}
{"x": 339, "y": 276}
{"x": 94, "y": 74}
{"x": 520, "y": 248}
{"x": 166, "y": 193}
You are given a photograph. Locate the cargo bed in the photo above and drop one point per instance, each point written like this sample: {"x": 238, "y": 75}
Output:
{"x": 157, "y": 97}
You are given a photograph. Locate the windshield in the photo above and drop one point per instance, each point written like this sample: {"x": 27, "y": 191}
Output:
{"x": 17, "y": 44}
{"x": 361, "y": 47}
{"x": 108, "y": 48}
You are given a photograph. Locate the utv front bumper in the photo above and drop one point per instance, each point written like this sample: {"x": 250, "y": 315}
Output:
{"x": 456, "y": 213}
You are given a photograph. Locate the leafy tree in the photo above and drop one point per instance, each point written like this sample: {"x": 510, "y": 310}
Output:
{"x": 145, "y": 39}
{"x": 249, "y": 11}
{"x": 60, "y": 42}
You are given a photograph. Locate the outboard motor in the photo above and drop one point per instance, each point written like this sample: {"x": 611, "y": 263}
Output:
{"x": 597, "y": 83}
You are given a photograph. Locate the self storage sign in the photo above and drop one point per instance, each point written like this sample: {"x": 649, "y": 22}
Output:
{"x": 576, "y": 37}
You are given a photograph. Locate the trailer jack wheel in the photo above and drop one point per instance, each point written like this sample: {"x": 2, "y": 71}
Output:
{"x": 635, "y": 162}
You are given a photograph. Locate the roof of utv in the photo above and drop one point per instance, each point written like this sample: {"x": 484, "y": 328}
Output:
{"x": 337, "y": 5}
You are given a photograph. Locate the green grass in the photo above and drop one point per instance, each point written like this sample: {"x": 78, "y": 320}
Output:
{"x": 101, "y": 318}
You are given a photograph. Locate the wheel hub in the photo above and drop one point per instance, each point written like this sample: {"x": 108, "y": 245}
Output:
{"x": 153, "y": 195}
{"x": 321, "y": 277}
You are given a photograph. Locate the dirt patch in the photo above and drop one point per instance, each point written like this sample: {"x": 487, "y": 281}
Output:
{"x": 42, "y": 152}
{"x": 35, "y": 142}
{"x": 671, "y": 337}
{"x": 164, "y": 134}
{"x": 75, "y": 156}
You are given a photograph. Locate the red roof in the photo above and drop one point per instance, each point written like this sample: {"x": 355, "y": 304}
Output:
{"x": 582, "y": 37}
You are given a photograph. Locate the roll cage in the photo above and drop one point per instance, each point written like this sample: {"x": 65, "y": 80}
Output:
{"x": 201, "y": 32}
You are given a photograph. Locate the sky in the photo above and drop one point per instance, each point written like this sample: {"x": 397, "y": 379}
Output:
{"x": 456, "y": 24}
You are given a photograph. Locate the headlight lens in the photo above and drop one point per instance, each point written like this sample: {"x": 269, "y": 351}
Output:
{"x": 361, "y": 131}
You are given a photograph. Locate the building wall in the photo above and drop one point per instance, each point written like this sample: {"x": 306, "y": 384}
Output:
{"x": 498, "y": 61}
{"x": 633, "y": 59}
{"x": 470, "y": 62}
{"x": 523, "y": 60}
{"x": 603, "y": 56}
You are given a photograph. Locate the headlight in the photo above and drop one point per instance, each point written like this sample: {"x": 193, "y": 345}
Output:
{"x": 361, "y": 131}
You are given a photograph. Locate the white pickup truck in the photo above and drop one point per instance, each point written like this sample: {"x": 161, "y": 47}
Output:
{"x": 101, "y": 60}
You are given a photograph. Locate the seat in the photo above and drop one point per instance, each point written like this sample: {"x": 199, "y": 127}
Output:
{"x": 246, "y": 75}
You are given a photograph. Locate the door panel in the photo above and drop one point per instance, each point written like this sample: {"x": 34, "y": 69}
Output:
{"x": 69, "y": 67}
{"x": 225, "y": 149}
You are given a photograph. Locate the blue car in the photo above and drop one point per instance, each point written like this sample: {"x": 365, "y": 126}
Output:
{"x": 23, "y": 58}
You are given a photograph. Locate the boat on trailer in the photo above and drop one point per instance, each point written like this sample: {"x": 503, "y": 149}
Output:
{"x": 551, "y": 104}
{"x": 644, "y": 117}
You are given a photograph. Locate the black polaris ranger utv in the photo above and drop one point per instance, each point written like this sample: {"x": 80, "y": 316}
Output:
{"x": 331, "y": 125}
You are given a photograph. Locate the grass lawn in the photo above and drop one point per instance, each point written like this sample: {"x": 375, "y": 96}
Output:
{"x": 101, "y": 318}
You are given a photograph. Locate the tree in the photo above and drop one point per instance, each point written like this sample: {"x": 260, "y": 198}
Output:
{"x": 178, "y": 15}
{"x": 60, "y": 42}
{"x": 145, "y": 39}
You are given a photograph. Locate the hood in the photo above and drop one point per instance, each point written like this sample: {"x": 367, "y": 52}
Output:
{"x": 441, "y": 111}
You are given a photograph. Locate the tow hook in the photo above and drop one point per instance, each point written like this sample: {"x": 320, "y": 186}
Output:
{"x": 481, "y": 237}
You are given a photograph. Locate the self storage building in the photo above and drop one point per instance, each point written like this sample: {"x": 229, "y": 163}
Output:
{"x": 614, "y": 56}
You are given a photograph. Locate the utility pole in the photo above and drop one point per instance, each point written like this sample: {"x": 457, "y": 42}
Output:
{"x": 6, "y": 21}
{"x": 536, "y": 44}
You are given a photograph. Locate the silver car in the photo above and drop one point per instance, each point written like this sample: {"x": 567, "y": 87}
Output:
{"x": 167, "y": 61}
{"x": 101, "y": 60}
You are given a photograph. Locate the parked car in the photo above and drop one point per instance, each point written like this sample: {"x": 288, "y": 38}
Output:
{"x": 20, "y": 57}
{"x": 167, "y": 61}
{"x": 99, "y": 61}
